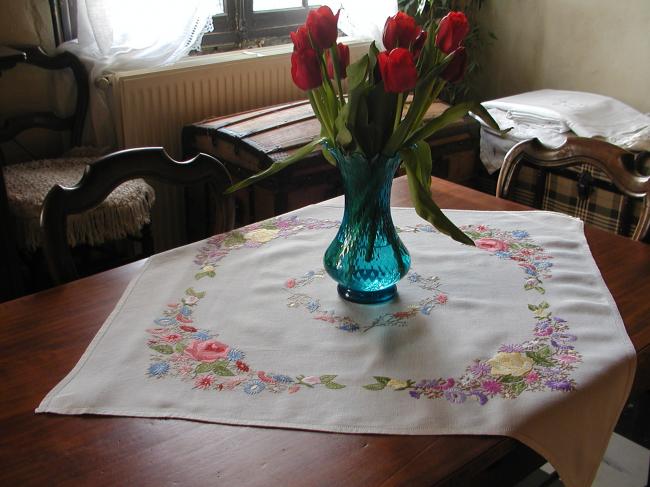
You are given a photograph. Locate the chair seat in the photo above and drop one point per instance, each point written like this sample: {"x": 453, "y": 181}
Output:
{"x": 122, "y": 214}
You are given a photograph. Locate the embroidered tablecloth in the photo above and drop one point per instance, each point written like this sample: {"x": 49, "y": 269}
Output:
{"x": 517, "y": 336}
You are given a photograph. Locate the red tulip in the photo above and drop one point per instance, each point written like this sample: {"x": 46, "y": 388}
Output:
{"x": 455, "y": 70}
{"x": 305, "y": 69}
{"x": 400, "y": 30}
{"x": 322, "y": 26}
{"x": 344, "y": 61}
{"x": 397, "y": 70}
{"x": 300, "y": 39}
{"x": 452, "y": 30}
{"x": 419, "y": 43}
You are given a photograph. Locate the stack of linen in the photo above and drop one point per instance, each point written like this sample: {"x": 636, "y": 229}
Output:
{"x": 551, "y": 115}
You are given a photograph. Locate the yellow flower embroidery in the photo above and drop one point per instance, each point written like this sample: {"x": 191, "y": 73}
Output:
{"x": 397, "y": 384}
{"x": 208, "y": 268}
{"x": 510, "y": 363}
{"x": 262, "y": 235}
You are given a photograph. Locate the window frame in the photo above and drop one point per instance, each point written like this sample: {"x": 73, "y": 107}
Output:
{"x": 241, "y": 23}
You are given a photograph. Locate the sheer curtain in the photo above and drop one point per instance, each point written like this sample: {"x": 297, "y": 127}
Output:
{"x": 117, "y": 35}
{"x": 363, "y": 18}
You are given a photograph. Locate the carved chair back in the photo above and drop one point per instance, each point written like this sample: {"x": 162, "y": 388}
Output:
{"x": 621, "y": 167}
{"x": 104, "y": 175}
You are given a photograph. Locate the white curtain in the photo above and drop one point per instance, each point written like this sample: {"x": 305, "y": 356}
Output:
{"x": 118, "y": 35}
{"x": 363, "y": 18}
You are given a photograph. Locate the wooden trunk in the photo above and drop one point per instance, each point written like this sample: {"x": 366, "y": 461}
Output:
{"x": 250, "y": 142}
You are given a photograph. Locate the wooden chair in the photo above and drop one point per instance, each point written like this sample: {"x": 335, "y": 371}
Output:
{"x": 621, "y": 167}
{"x": 105, "y": 174}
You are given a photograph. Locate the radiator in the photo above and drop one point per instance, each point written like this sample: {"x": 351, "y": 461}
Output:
{"x": 150, "y": 107}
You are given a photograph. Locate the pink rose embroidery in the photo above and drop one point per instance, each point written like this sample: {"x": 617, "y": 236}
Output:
{"x": 207, "y": 350}
{"x": 290, "y": 283}
{"x": 311, "y": 380}
{"x": 441, "y": 298}
{"x": 491, "y": 244}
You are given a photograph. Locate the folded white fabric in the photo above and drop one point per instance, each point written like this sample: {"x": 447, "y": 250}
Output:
{"x": 550, "y": 114}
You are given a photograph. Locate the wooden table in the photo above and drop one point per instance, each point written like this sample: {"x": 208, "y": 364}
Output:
{"x": 42, "y": 336}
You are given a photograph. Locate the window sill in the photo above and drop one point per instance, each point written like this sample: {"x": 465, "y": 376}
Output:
{"x": 192, "y": 62}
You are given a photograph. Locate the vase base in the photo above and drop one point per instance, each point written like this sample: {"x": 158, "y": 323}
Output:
{"x": 367, "y": 297}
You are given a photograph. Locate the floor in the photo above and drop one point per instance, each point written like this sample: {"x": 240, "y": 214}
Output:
{"x": 625, "y": 465}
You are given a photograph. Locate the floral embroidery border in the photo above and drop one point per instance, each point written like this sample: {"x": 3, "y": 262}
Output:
{"x": 345, "y": 323}
{"x": 544, "y": 362}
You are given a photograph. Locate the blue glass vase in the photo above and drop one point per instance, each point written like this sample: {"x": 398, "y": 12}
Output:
{"x": 367, "y": 257}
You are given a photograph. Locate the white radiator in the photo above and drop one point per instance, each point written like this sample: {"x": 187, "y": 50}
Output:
{"x": 151, "y": 107}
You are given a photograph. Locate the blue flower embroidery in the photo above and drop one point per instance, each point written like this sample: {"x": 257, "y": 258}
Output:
{"x": 503, "y": 255}
{"x": 254, "y": 387}
{"x": 234, "y": 354}
{"x": 201, "y": 336}
{"x": 519, "y": 234}
{"x": 158, "y": 369}
{"x": 283, "y": 379}
{"x": 165, "y": 321}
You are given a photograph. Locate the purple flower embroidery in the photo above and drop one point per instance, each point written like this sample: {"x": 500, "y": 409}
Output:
{"x": 480, "y": 369}
{"x": 456, "y": 396}
{"x": 492, "y": 386}
{"x": 559, "y": 385}
{"x": 511, "y": 348}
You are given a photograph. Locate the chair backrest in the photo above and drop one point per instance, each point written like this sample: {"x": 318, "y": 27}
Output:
{"x": 104, "y": 175}
{"x": 74, "y": 123}
{"x": 619, "y": 165}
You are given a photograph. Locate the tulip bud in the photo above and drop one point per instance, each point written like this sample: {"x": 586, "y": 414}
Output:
{"x": 400, "y": 30}
{"x": 397, "y": 70}
{"x": 305, "y": 69}
{"x": 453, "y": 28}
{"x": 418, "y": 45}
{"x": 344, "y": 61}
{"x": 300, "y": 39}
{"x": 455, "y": 70}
{"x": 322, "y": 26}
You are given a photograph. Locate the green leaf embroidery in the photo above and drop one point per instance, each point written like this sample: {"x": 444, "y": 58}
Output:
{"x": 518, "y": 387}
{"x": 374, "y": 387}
{"x": 191, "y": 292}
{"x": 234, "y": 239}
{"x": 222, "y": 370}
{"x": 203, "y": 368}
{"x": 180, "y": 347}
{"x": 334, "y": 385}
{"x": 509, "y": 379}
{"x": 166, "y": 349}
{"x": 327, "y": 378}
{"x": 382, "y": 380}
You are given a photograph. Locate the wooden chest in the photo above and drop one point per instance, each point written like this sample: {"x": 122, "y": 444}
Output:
{"x": 249, "y": 142}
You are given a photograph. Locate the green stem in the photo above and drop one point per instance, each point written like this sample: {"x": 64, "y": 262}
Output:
{"x": 323, "y": 119}
{"x": 334, "y": 54}
{"x": 398, "y": 112}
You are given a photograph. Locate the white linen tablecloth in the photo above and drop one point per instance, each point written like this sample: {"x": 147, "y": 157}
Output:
{"x": 517, "y": 336}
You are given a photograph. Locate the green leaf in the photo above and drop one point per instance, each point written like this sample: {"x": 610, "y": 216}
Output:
{"x": 328, "y": 155}
{"x": 233, "y": 239}
{"x": 357, "y": 72}
{"x": 277, "y": 166}
{"x": 518, "y": 387}
{"x": 166, "y": 349}
{"x": 382, "y": 380}
{"x": 539, "y": 359}
{"x": 450, "y": 115}
{"x": 334, "y": 385}
{"x": 222, "y": 370}
{"x": 343, "y": 134}
{"x": 420, "y": 189}
{"x": 180, "y": 347}
{"x": 509, "y": 379}
{"x": 191, "y": 292}
{"x": 203, "y": 368}
{"x": 532, "y": 307}
{"x": 375, "y": 387}
{"x": 327, "y": 378}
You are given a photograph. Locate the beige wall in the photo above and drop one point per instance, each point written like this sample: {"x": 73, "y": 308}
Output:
{"x": 26, "y": 88}
{"x": 601, "y": 46}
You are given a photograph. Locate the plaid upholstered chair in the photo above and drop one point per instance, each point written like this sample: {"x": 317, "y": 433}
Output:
{"x": 593, "y": 180}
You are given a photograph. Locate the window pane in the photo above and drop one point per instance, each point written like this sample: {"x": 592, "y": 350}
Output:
{"x": 219, "y": 7}
{"x": 259, "y": 5}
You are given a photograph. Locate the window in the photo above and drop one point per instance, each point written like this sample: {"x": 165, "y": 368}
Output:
{"x": 238, "y": 22}
{"x": 246, "y": 21}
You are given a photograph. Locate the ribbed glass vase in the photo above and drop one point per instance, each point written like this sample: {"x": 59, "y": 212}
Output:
{"x": 367, "y": 257}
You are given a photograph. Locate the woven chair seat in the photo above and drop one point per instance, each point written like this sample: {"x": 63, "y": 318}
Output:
{"x": 122, "y": 214}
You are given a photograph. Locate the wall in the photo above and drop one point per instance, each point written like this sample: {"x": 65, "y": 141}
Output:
{"x": 27, "y": 88}
{"x": 601, "y": 46}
